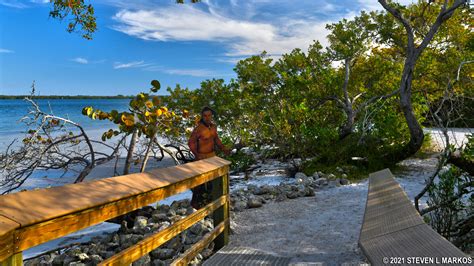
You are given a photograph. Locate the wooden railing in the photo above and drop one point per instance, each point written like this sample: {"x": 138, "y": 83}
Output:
{"x": 394, "y": 233}
{"x": 30, "y": 218}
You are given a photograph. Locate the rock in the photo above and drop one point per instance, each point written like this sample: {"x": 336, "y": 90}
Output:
{"x": 268, "y": 196}
{"x": 301, "y": 190}
{"x": 281, "y": 197}
{"x": 254, "y": 202}
{"x": 174, "y": 244}
{"x": 83, "y": 256}
{"x": 339, "y": 169}
{"x": 74, "y": 251}
{"x": 316, "y": 175}
{"x": 158, "y": 263}
{"x": 58, "y": 260}
{"x": 331, "y": 177}
{"x": 158, "y": 217}
{"x": 75, "y": 263}
{"x": 171, "y": 212}
{"x": 140, "y": 222}
{"x": 206, "y": 253}
{"x": 68, "y": 260}
{"x": 162, "y": 253}
{"x": 267, "y": 189}
{"x": 181, "y": 211}
{"x": 209, "y": 224}
{"x": 292, "y": 194}
{"x": 32, "y": 262}
{"x": 344, "y": 176}
{"x": 180, "y": 204}
{"x": 107, "y": 254}
{"x": 344, "y": 181}
{"x": 190, "y": 239}
{"x": 309, "y": 192}
{"x": 252, "y": 188}
{"x": 197, "y": 228}
{"x": 321, "y": 181}
{"x": 162, "y": 208}
{"x": 300, "y": 175}
{"x": 175, "y": 218}
{"x": 95, "y": 259}
{"x": 144, "y": 260}
{"x": 190, "y": 210}
{"x": 240, "y": 206}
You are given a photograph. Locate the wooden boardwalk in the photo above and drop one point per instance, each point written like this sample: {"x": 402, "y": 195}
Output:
{"x": 245, "y": 256}
{"x": 394, "y": 233}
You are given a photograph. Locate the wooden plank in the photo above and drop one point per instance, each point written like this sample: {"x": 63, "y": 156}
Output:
{"x": 248, "y": 256}
{"x": 7, "y": 239}
{"x": 14, "y": 260}
{"x": 36, "y": 234}
{"x": 199, "y": 246}
{"x": 145, "y": 246}
{"x": 388, "y": 208}
{"x": 393, "y": 228}
{"x": 220, "y": 186}
{"x": 36, "y": 206}
{"x": 418, "y": 241}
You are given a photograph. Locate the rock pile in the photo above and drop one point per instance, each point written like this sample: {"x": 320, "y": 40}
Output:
{"x": 304, "y": 186}
{"x": 149, "y": 221}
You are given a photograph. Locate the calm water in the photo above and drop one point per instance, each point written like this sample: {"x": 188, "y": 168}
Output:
{"x": 11, "y": 111}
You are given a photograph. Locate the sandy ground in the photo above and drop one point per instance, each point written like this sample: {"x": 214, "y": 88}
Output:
{"x": 322, "y": 229}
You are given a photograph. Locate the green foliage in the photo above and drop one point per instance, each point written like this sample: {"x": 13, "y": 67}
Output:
{"x": 240, "y": 161}
{"x": 468, "y": 151}
{"x": 146, "y": 115}
{"x": 441, "y": 193}
{"x": 82, "y": 15}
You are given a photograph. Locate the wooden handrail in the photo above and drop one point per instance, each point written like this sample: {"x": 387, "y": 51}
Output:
{"x": 30, "y": 218}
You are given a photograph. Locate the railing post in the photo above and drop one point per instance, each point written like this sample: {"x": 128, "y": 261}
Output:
{"x": 14, "y": 260}
{"x": 220, "y": 186}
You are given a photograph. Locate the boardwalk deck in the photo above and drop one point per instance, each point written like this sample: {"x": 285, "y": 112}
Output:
{"x": 392, "y": 228}
{"x": 245, "y": 256}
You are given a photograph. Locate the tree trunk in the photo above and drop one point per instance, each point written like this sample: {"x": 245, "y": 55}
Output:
{"x": 348, "y": 126}
{"x": 416, "y": 132}
{"x": 131, "y": 149}
{"x": 147, "y": 154}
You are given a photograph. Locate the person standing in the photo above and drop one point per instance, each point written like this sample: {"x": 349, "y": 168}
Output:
{"x": 203, "y": 143}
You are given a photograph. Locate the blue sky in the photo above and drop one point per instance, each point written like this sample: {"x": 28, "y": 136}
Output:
{"x": 144, "y": 40}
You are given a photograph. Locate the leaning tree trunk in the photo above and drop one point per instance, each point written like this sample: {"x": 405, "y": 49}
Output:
{"x": 131, "y": 149}
{"x": 416, "y": 132}
{"x": 412, "y": 55}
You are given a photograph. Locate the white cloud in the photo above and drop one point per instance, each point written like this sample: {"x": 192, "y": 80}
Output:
{"x": 134, "y": 64}
{"x": 371, "y": 5}
{"x": 80, "y": 60}
{"x": 13, "y": 3}
{"x": 6, "y": 51}
{"x": 185, "y": 72}
{"x": 21, "y": 4}
{"x": 191, "y": 72}
{"x": 241, "y": 37}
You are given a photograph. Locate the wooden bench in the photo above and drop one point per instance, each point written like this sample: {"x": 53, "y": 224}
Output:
{"x": 30, "y": 218}
{"x": 394, "y": 233}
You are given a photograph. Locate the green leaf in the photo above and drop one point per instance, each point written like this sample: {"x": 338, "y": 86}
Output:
{"x": 156, "y": 85}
